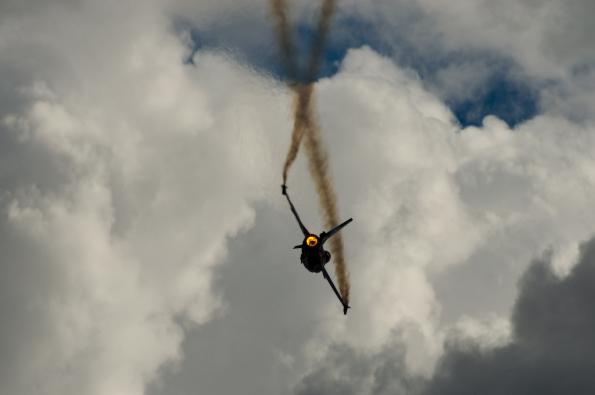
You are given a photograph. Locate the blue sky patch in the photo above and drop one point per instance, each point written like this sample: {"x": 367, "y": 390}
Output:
{"x": 501, "y": 92}
{"x": 510, "y": 100}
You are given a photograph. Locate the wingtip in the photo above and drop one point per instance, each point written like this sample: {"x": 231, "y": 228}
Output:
{"x": 345, "y": 309}
{"x": 284, "y": 189}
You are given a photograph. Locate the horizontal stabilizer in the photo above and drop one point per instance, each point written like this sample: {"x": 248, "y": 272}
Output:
{"x": 324, "y": 236}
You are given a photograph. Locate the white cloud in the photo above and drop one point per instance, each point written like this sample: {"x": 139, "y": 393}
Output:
{"x": 152, "y": 164}
{"x": 487, "y": 332}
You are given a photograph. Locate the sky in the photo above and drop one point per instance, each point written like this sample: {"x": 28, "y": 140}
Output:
{"x": 146, "y": 247}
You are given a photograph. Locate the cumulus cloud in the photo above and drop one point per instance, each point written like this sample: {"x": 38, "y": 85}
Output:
{"x": 121, "y": 182}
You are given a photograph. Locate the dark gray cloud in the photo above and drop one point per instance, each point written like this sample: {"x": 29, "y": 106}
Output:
{"x": 551, "y": 349}
{"x": 346, "y": 371}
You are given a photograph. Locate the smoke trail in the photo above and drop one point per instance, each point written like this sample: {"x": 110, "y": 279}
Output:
{"x": 305, "y": 125}
{"x": 328, "y": 9}
{"x": 279, "y": 9}
{"x": 303, "y": 93}
{"x": 318, "y": 166}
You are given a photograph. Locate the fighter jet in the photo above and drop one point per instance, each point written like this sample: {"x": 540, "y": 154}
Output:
{"x": 314, "y": 256}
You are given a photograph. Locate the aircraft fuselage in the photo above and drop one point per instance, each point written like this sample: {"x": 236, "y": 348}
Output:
{"x": 314, "y": 256}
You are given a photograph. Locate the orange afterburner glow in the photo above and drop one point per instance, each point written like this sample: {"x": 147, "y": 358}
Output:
{"x": 311, "y": 241}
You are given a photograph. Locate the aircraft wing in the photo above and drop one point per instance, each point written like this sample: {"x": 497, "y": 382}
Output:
{"x": 324, "y": 236}
{"x": 293, "y": 210}
{"x": 328, "y": 278}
